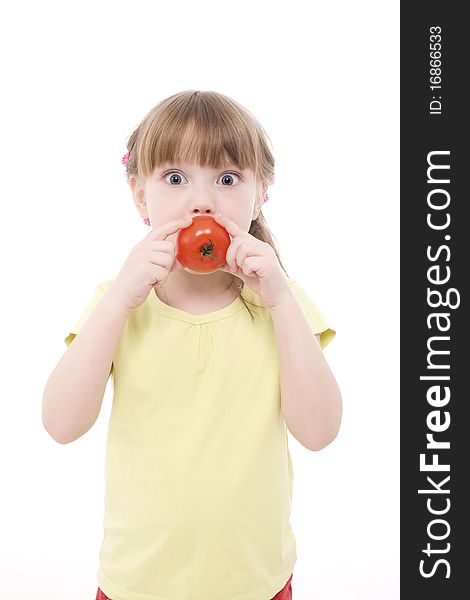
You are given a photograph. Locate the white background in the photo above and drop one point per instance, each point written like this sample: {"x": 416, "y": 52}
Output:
{"x": 323, "y": 80}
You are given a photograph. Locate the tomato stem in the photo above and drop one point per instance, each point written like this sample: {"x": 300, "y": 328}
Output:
{"x": 206, "y": 250}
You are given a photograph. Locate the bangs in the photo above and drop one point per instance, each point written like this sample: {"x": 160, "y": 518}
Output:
{"x": 209, "y": 131}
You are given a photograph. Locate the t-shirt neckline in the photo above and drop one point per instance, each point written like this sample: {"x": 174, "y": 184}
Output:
{"x": 181, "y": 315}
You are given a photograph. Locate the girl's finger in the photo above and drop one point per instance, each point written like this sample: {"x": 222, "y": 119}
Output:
{"x": 231, "y": 252}
{"x": 164, "y": 231}
{"x": 232, "y": 228}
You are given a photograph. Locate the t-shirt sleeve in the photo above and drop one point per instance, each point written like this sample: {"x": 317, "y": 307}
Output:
{"x": 97, "y": 295}
{"x": 317, "y": 321}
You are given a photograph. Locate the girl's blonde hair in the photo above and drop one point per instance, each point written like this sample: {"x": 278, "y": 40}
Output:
{"x": 209, "y": 129}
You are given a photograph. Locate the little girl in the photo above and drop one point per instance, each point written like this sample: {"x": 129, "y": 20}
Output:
{"x": 209, "y": 371}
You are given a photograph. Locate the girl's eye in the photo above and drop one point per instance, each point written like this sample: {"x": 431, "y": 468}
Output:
{"x": 226, "y": 177}
{"x": 174, "y": 177}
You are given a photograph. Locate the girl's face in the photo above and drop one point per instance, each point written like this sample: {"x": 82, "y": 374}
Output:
{"x": 182, "y": 189}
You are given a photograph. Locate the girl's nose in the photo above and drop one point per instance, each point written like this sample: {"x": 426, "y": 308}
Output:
{"x": 203, "y": 208}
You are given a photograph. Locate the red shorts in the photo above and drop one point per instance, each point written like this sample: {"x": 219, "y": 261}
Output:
{"x": 284, "y": 594}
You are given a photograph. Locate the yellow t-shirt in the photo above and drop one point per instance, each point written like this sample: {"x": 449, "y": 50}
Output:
{"x": 198, "y": 475}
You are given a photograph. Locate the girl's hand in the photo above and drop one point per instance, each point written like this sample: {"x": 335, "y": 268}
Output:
{"x": 149, "y": 264}
{"x": 256, "y": 263}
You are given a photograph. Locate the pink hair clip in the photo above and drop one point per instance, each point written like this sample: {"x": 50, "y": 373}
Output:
{"x": 126, "y": 158}
{"x": 266, "y": 198}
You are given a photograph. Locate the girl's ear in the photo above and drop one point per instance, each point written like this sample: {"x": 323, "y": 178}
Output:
{"x": 262, "y": 190}
{"x": 138, "y": 193}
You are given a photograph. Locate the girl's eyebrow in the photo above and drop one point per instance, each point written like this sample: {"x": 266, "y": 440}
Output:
{"x": 183, "y": 164}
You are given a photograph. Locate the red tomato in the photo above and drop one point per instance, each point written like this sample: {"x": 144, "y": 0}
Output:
{"x": 203, "y": 245}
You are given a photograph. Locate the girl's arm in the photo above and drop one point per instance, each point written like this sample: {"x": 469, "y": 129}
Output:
{"x": 74, "y": 391}
{"x": 311, "y": 401}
